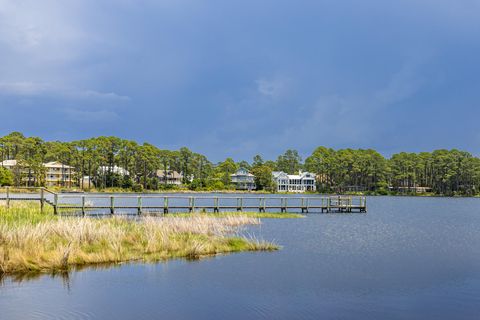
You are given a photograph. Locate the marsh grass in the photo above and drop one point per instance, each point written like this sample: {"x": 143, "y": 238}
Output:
{"x": 251, "y": 214}
{"x": 34, "y": 242}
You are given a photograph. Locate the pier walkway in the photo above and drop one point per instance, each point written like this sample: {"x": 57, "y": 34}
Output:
{"x": 85, "y": 203}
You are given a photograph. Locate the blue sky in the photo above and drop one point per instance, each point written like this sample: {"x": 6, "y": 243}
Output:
{"x": 239, "y": 78}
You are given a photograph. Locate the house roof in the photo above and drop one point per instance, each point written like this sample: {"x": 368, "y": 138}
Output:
{"x": 56, "y": 164}
{"x": 277, "y": 174}
{"x": 170, "y": 174}
{"x": 302, "y": 175}
{"x": 242, "y": 172}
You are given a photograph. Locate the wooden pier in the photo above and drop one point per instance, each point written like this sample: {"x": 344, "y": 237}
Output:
{"x": 140, "y": 204}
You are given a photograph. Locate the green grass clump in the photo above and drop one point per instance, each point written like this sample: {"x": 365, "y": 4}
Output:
{"x": 31, "y": 241}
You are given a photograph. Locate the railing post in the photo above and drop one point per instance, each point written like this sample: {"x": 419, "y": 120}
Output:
{"x": 139, "y": 205}
{"x": 303, "y": 205}
{"x": 42, "y": 200}
{"x": 215, "y": 205}
{"x": 112, "y": 205}
{"x": 165, "y": 205}
{"x": 191, "y": 204}
{"x": 55, "y": 203}
{"x": 283, "y": 205}
{"x": 83, "y": 205}
{"x": 8, "y": 197}
{"x": 239, "y": 204}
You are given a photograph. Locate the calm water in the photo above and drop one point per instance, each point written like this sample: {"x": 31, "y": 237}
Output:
{"x": 408, "y": 258}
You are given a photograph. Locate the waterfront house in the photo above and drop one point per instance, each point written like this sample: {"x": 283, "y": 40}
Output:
{"x": 58, "y": 174}
{"x": 304, "y": 181}
{"x": 172, "y": 177}
{"x": 243, "y": 180}
{"x": 102, "y": 170}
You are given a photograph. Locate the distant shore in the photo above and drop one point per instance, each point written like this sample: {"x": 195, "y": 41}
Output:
{"x": 253, "y": 192}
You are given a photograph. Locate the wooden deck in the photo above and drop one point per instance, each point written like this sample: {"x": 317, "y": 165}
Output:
{"x": 138, "y": 204}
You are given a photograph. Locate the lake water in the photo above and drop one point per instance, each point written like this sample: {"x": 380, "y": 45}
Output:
{"x": 407, "y": 258}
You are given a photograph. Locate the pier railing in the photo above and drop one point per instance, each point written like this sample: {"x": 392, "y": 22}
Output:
{"x": 85, "y": 203}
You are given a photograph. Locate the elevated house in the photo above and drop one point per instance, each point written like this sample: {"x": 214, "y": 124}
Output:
{"x": 170, "y": 177}
{"x": 304, "y": 181}
{"x": 58, "y": 174}
{"x": 243, "y": 180}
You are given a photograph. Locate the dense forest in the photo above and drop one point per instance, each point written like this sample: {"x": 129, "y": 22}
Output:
{"x": 444, "y": 172}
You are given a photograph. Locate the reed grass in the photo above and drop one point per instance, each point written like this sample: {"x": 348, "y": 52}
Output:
{"x": 251, "y": 214}
{"x": 34, "y": 242}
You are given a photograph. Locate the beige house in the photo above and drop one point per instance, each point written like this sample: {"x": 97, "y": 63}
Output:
{"x": 58, "y": 174}
{"x": 172, "y": 177}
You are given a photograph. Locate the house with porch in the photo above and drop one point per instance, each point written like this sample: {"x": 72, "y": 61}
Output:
{"x": 243, "y": 180}
{"x": 298, "y": 183}
{"x": 170, "y": 177}
{"x": 58, "y": 174}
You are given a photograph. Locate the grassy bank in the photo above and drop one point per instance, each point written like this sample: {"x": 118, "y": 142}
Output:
{"x": 35, "y": 242}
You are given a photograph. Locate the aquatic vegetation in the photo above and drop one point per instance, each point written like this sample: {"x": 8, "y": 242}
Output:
{"x": 31, "y": 241}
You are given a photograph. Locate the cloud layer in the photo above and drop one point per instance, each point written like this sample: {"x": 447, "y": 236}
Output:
{"x": 241, "y": 78}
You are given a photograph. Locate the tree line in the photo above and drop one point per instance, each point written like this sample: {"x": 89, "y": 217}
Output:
{"x": 446, "y": 172}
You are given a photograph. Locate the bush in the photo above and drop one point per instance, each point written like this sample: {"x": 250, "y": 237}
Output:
{"x": 6, "y": 177}
{"x": 137, "y": 187}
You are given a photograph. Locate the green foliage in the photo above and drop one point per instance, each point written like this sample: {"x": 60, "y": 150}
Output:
{"x": 6, "y": 177}
{"x": 137, "y": 187}
{"x": 444, "y": 172}
{"x": 225, "y": 169}
{"x": 289, "y": 162}
{"x": 263, "y": 178}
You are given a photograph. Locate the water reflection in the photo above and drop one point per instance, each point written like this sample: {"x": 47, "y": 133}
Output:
{"x": 415, "y": 258}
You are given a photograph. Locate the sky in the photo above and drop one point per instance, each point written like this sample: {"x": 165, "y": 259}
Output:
{"x": 239, "y": 78}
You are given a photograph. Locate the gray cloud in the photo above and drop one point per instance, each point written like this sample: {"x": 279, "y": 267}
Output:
{"x": 240, "y": 78}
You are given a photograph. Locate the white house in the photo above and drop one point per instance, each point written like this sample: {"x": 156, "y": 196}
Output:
{"x": 115, "y": 170}
{"x": 304, "y": 181}
{"x": 8, "y": 164}
{"x": 243, "y": 180}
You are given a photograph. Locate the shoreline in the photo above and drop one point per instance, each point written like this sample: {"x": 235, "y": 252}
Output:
{"x": 185, "y": 191}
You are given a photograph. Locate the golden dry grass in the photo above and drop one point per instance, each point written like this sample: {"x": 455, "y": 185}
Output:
{"x": 35, "y": 242}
